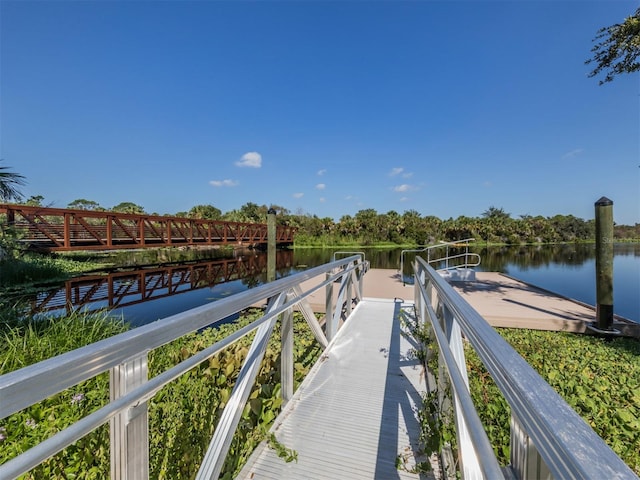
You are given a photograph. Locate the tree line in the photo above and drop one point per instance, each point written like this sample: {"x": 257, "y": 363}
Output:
{"x": 369, "y": 227}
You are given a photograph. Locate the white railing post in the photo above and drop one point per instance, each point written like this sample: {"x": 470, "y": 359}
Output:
{"x": 526, "y": 462}
{"x": 286, "y": 356}
{"x": 328, "y": 316}
{"x": 468, "y": 458}
{"x": 349, "y": 297}
{"x": 129, "y": 430}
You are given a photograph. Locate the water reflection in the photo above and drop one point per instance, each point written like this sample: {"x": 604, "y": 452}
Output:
{"x": 144, "y": 294}
{"x": 123, "y": 288}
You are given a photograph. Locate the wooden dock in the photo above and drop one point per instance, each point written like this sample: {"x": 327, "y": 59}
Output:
{"x": 501, "y": 300}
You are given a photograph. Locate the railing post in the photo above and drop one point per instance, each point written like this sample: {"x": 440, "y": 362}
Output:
{"x": 349, "y": 297}
{"x": 141, "y": 234}
{"x": 286, "y": 356}
{"x": 129, "y": 430}
{"x": 66, "y": 233}
{"x": 109, "y": 231}
{"x": 525, "y": 460}
{"x": 328, "y": 309}
{"x": 467, "y": 454}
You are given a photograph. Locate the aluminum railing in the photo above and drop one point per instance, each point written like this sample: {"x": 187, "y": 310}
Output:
{"x": 445, "y": 261}
{"x": 548, "y": 438}
{"x": 125, "y": 357}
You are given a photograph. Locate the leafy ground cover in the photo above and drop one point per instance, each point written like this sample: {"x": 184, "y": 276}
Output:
{"x": 599, "y": 378}
{"x": 182, "y": 416}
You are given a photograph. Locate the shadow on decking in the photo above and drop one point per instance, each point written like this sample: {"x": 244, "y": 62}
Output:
{"x": 401, "y": 401}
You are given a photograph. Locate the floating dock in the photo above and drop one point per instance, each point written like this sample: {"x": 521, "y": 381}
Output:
{"x": 502, "y": 300}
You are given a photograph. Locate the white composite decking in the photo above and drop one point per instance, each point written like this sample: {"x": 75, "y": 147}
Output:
{"x": 355, "y": 415}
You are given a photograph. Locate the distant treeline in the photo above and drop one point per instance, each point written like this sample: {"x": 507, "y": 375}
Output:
{"x": 367, "y": 227}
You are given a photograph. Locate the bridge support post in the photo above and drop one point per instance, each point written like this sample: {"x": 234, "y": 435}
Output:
{"x": 129, "y": 430}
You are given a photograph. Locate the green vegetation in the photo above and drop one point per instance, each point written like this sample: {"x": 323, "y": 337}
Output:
{"x": 600, "y": 379}
{"x": 182, "y": 416}
{"x": 31, "y": 268}
{"x": 9, "y": 185}
{"x": 617, "y": 49}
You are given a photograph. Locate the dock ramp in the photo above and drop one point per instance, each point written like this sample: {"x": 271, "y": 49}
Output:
{"x": 355, "y": 414}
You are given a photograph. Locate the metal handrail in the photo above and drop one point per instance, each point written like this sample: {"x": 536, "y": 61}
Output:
{"x": 125, "y": 356}
{"x": 470, "y": 259}
{"x": 334, "y": 257}
{"x": 548, "y": 438}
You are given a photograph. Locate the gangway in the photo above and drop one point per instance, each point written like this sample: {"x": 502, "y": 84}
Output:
{"x": 453, "y": 266}
{"x": 354, "y": 409}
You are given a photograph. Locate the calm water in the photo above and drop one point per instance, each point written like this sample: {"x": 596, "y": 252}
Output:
{"x": 149, "y": 294}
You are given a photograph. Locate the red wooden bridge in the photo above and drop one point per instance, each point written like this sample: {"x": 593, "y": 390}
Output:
{"x": 58, "y": 229}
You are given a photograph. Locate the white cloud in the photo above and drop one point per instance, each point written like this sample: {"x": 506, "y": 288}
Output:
{"x": 322, "y": 172}
{"x": 396, "y": 171}
{"x": 404, "y": 199}
{"x": 573, "y": 153}
{"x": 407, "y": 175}
{"x": 298, "y": 195}
{"x": 321, "y": 186}
{"x": 403, "y": 188}
{"x": 250, "y": 159}
{"x": 223, "y": 183}
{"x": 322, "y": 200}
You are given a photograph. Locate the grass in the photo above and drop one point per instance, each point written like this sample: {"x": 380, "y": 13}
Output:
{"x": 30, "y": 269}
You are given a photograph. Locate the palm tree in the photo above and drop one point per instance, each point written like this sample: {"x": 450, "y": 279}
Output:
{"x": 8, "y": 185}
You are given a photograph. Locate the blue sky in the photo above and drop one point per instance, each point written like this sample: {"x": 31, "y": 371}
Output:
{"x": 325, "y": 108}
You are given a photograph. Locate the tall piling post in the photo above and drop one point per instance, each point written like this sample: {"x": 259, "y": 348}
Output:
{"x": 604, "y": 263}
{"x": 271, "y": 245}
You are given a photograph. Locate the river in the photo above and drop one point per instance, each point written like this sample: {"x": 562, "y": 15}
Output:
{"x": 142, "y": 294}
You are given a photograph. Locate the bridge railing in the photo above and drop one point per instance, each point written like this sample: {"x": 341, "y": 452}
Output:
{"x": 70, "y": 229}
{"x": 125, "y": 357}
{"x": 548, "y": 438}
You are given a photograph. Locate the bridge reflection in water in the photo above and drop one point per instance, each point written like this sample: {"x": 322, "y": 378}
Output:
{"x": 118, "y": 289}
